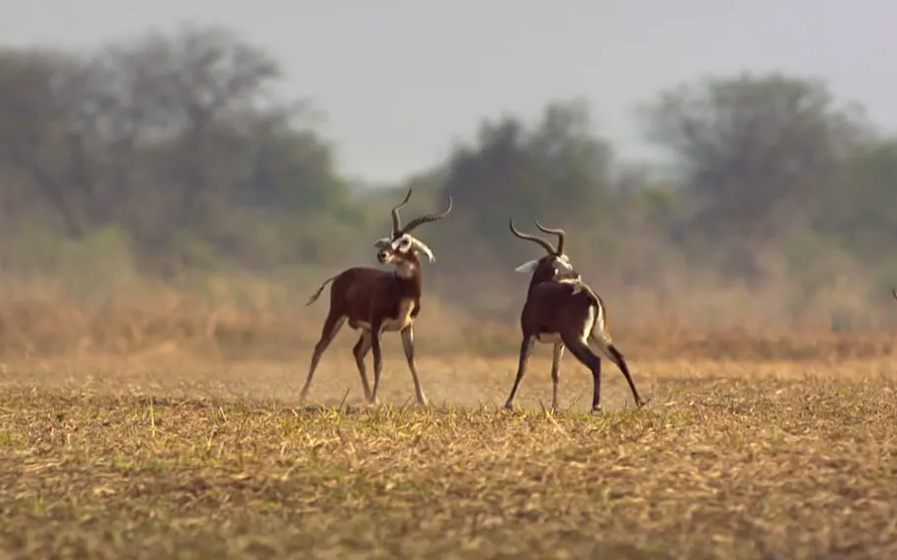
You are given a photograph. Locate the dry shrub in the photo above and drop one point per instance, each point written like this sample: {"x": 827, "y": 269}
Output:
{"x": 234, "y": 318}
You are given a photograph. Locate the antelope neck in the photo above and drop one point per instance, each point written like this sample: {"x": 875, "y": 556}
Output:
{"x": 408, "y": 272}
{"x": 536, "y": 280}
{"x": 409, "y": 286}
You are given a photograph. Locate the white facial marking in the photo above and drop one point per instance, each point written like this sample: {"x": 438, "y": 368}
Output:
{"x": 404, "y": 244}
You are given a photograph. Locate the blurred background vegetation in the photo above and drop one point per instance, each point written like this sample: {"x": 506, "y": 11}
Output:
{"x": 162, "y": 175}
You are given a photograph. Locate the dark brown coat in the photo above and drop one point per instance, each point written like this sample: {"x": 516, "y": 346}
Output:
{"x": 562, "y": 310}
{"x": 377, "y": 301}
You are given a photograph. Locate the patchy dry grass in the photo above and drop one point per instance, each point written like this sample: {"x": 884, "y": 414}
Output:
{"x": 193, "y": 460}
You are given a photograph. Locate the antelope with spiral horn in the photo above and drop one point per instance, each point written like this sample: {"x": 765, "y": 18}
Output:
{"x": 376, "y": 301}
{"x": 563, "y": 311}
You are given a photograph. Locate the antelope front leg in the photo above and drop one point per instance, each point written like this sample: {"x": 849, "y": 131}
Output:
{"x": 556, "y": 357}
{"x": 378, "y": 360}
{"x": 408, "y": 346}
{"x": 360, "y": 351}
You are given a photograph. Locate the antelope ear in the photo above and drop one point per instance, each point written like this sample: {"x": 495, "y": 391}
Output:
{"x": 527, "y": 267}
{"x": 381, "y": 243}
{"x": 419, "y": 245}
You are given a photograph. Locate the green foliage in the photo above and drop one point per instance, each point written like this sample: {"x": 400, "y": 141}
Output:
{"x": 168, "y": 155}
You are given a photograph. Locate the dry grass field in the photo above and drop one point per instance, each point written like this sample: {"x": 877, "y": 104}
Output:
{"x": 168, "y": 455}
{"x": 170, "y": 429}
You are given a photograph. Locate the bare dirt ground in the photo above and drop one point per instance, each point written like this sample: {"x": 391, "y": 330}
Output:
{"x": 184, "y": 458}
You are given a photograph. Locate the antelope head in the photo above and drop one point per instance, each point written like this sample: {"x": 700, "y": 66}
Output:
{"x": 554, "y": 265}
{"x": 401, "y": 248}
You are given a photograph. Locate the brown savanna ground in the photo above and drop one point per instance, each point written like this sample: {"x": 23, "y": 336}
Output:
{"x": 174, "y": 433}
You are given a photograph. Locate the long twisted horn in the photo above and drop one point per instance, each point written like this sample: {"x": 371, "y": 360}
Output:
{"x": 396, "y": 222}
{"x": 556, "y": 231}
{"x": 427, "y": 218}
{"x": 545, "y": 244}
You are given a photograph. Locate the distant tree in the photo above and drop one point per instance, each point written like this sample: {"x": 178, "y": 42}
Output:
{"x": 555, "y": 172}
{"x": 859, "y": 213}
{"x": 756, "y": 152}
{"x": 43, "y": 117}
{"x": 177, "y": 137}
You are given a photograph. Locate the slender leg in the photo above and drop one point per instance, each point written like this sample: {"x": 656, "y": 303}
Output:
{"x": 361, "y": 349}
{"x": 617, "y": 358}
{"x": 378, "y": 360}
{"x": 580, "y": 349}
{"x": 408, "y": 345}
{"x": 525, "y": 347}
{"x": 556, "y": 357}
{"x": 332, "y": 325}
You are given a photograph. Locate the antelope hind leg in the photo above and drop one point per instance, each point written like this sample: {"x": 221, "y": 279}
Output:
{"x": 332, "y": 325}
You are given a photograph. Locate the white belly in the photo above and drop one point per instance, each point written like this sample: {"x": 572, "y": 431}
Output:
{"x": 554, "y": 338}
{"x": 393, "y": 324}
{"x": 403, "y": 319}
{"x": 548, "y": 338}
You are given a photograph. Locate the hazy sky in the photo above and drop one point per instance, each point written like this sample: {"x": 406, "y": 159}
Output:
{"x": 399, "y": 79}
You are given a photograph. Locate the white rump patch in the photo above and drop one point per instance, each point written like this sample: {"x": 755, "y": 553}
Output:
{"x": 527, "y": 267}
{"x": 588, "y": 326}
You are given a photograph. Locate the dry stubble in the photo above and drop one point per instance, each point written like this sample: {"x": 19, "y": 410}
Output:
{"x": 188, "y": 459}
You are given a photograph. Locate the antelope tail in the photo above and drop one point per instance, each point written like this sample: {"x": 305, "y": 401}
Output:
{"x": 599, "y": 334}
{"x": 602, "y": 340}
{"x": 315, "y": 297}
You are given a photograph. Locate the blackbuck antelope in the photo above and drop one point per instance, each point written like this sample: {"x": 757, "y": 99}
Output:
{"x": 562, "y": 310}
{"x": 377, "y": 301}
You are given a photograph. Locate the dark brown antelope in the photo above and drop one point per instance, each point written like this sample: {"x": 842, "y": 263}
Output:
{"x": 377, "y": 301}
{"x": 562, "y": 310}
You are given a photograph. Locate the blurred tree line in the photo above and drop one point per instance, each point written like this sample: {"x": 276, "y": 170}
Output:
{"x": 173, "y": 150}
